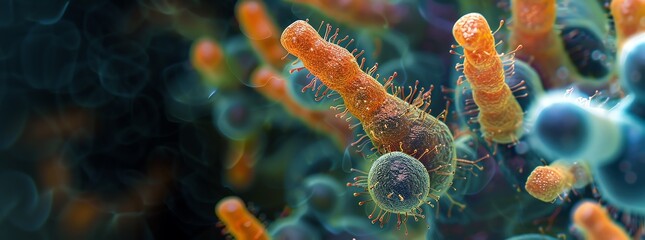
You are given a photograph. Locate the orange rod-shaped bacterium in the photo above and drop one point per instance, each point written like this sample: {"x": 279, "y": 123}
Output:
{"x": 239, "y": 221}
{"x": 596, "y": 223}
{"x": 262, "y": 32}
{"x": 533, "y": 27}
{"x": 391, "y": 123}
{"x": 500, "y": 115}
{"x": 629, "y": 19}
{"x": 273, "y": 86}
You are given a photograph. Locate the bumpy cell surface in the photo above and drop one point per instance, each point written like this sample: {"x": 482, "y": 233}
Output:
{"x": 398, "y": 183}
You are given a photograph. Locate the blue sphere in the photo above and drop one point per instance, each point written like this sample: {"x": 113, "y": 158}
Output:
{"x": 398, "y": 182}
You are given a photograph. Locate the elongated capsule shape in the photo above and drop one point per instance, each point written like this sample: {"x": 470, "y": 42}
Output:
{"x": 500, "y": 115}
{"x": 596, "y": 223}
{"x": 239, "y": 221}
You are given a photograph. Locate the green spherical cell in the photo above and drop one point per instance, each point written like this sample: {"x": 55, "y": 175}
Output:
{"x": 398, "y": 183}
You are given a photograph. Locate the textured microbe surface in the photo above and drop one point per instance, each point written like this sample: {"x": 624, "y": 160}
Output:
{"x": 547, "y": 182}
{"x": 500, "y": 115}
{"x": 390, "y": 122}
{"x": 239, "y": 222}
{"x": 398, "y": 182}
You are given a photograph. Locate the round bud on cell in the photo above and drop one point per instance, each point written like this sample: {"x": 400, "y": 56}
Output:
{"x": 398, "y": 182}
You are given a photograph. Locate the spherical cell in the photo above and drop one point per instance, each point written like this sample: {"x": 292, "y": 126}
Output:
{"x": 323, "y": 194}
{"x": 398, "y": 183}
{"x": 562, "y": 128}
{"x": 632, "y": 66}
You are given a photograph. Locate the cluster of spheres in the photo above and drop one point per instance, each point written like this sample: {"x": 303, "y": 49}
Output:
{"x": 312, "y": 119}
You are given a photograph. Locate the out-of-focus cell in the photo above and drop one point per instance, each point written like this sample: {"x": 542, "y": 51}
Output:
{"x": 240, "y": 60}
{"x": 49, "y": 55}
{"x": 632, "y": 67}
{"x": 169, "y": 7}
{"x": 120, "y": 65}
{"x": 628, "y": 19}
{"x": 563, "y": 128}
{"x": 293, "y": 229}
{"x": 369, "y": 13}
{"x": 85, "y": 88}
{"x": 22, "y": 204}
{"x": 207, "y": 57}
{"x": 596, "y": 223}
{"x": 239, "y": 222}
{"x": 262, "y": 32}
{"x": 534, "y": 28}
{"x": 80, "y": 215}
{"x": 102, "y": 20}
{"x": 184, "y": 86}
{"x": 532, "y": 236}
{"x": 587, "y": 51}
{"x": 14, "y": 110}
{"x": 237, "y": 116}
{"x": 323, "y": 195}
{"x": 42, "y": 12}
{"x": 240, "y": 164}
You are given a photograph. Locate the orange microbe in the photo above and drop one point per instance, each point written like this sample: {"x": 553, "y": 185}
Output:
{"x": 629, "y": 18}
{"x": 596, "y": 223}
{"x": 500, "y": 115}
{"x": 391, "y": 123}
{"x": 240, "y": 163}
{"x": 207, "y": 57}
{"x": 533, "y": 27}
{"x": 273, "y": 86}
{"x": 259, "y": 27}
{"x": 548, "y": 182}
{"x": 239, "y": 221}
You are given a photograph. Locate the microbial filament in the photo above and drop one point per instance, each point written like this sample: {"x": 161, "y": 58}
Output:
{"x": 391, "y": 123}
{"x": 500, "y": 115}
